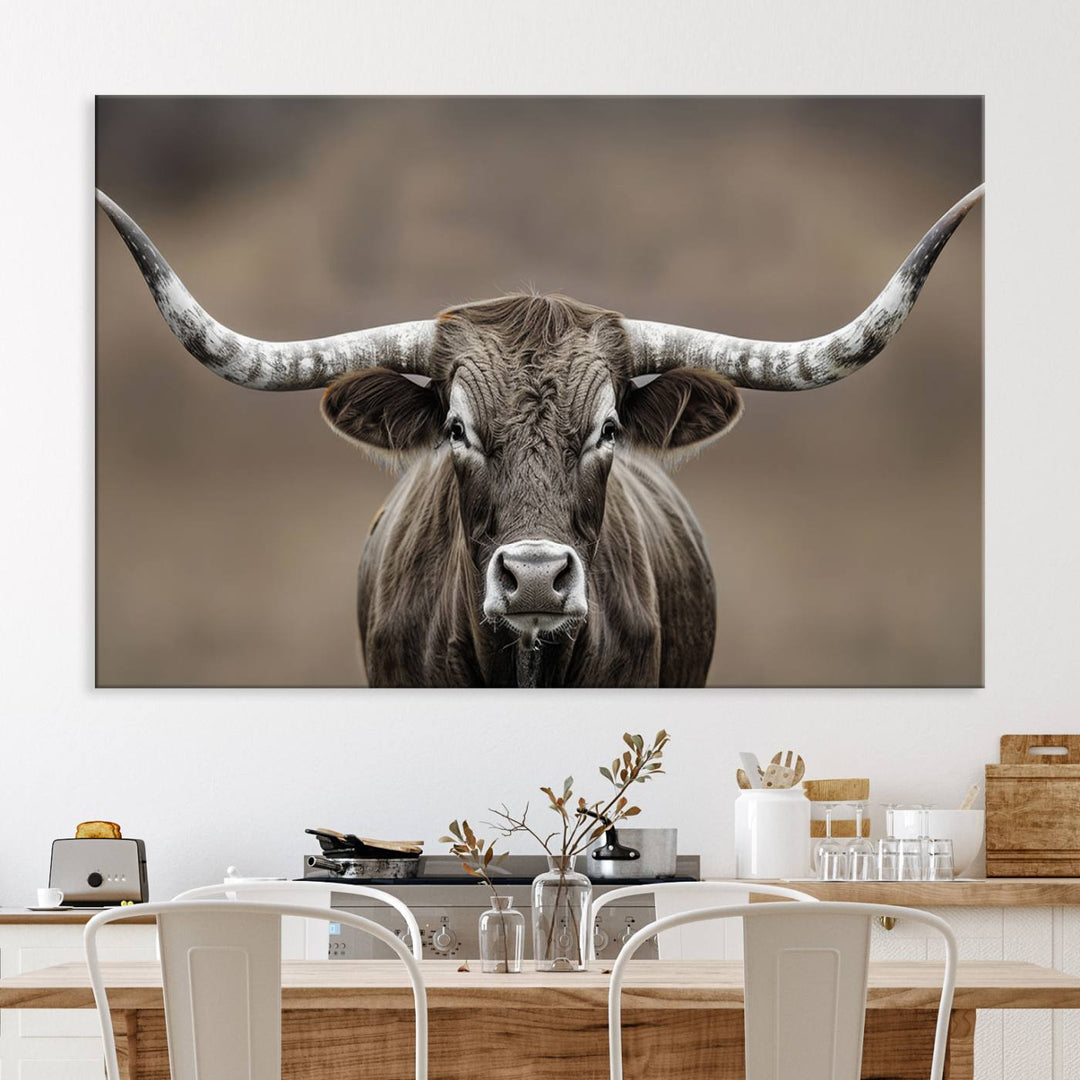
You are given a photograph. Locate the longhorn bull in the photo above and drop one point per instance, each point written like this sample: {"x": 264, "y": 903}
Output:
{"x": 534, "y": 537}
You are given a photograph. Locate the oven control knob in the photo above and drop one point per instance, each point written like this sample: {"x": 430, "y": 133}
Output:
{"x": 628, "y": 933}
{"x": 94, "y": 880}
{"x": 444, "y": 939}
{"x": 601, "y": 938}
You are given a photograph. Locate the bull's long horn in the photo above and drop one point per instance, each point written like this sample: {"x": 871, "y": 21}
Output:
{"x": 267, "y": 365}
{"x": 799, "y": 365}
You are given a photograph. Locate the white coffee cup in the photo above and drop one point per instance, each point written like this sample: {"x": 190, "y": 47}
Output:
{"x": 50, "y": 897}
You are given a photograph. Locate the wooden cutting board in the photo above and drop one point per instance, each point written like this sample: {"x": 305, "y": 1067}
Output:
{"x": 1033, "y": 807}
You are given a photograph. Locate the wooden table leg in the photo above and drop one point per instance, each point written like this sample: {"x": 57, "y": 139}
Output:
{"x": 125, "y": 1032}
{"x": 899, "y": 1044}
{"x": 960, "y": 1060}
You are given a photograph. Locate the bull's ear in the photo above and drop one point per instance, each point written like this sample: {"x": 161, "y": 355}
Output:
{"x": 386, "y": 412}
{"x": 679, "y": 411}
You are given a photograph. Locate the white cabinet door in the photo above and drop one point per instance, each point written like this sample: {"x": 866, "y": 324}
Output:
{"x": 1068, "y": 1020}
{"x": 1028, "y": 1034}
{"x": 58, "y": 1044}
{"x": 1010, "y": 1044}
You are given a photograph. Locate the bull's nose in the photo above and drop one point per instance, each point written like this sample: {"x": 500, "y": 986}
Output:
{"x": 535, "y": 578}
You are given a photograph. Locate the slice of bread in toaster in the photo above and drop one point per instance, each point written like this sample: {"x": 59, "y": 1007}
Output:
{"x": 97, "y": 830}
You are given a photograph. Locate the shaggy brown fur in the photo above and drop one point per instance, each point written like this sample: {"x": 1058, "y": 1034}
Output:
{"x": 534, "y": 370}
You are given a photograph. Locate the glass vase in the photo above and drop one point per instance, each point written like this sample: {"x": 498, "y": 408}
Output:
{"x": 502, "y": 936}
{"x": 561, "y": 900}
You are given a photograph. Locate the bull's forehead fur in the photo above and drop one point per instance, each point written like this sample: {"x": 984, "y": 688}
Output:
{"x": 532, "y": 362}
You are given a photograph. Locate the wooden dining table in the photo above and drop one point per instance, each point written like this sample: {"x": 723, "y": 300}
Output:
{"x": 353, "y": 1019}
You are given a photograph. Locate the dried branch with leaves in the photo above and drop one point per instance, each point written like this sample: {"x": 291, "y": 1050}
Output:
{"x": 583, "y": 822}
{"x": 476, "y": 854}
{"x": 477, "y": 857}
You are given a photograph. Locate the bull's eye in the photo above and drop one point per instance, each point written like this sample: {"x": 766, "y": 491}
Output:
{"x": 457, "y": 431}
{"x": 608, "y": 432}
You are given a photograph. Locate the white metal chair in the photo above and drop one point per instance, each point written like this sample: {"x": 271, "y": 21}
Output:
{"x": 671, "y": 897}
{"x": 804, "y": 976}
{"x": 221, "y": 977}
{"x": 315, "y": 943}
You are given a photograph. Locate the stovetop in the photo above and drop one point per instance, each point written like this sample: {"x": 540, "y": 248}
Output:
{"x": 463, "y": 879}
{"x": 519, "y": 870}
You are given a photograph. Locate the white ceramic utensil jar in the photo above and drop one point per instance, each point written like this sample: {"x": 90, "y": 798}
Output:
{"x": 772, "y": 834}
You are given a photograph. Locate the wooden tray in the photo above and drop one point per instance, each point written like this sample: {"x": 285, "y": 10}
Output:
{"x": 1033, "y": 807}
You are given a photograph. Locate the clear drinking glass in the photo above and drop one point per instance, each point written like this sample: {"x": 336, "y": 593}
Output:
{"x": 909, "y": 860}
{"x": 940, "y": 861}
{"x": 907, "y": 820}
{"x": 502, "y": 936}
{"x": 862, "y": 865}
{"x": 830, "y": 856}
{"x": 888, "y": 859}
{"x": 833, "y": 864}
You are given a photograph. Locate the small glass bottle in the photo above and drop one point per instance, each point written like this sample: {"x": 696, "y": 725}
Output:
{"x": 502, "y": 936}
{"x": 561, "y": 901}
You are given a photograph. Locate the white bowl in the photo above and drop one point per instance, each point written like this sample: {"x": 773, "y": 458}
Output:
{"x": 963, "y": 827}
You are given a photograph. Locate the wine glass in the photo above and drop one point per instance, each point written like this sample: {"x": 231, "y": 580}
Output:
{"x": 890, "y": 820}
{"x": 860, "y": 850}
{"x": 830, "y": 856}
{"x": 924, "y": 835}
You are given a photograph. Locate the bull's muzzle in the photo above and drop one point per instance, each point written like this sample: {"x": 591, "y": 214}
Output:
{"x": 535, "y": 585}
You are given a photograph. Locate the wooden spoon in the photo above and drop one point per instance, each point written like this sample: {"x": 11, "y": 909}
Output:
{"x": 785, "y": 770}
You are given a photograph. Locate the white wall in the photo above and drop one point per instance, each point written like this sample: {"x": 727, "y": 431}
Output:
{"x": 213, "y": 777}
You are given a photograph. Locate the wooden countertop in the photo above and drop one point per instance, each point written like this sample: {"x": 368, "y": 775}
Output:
{"x": 650, "y": 984}
{"x": 973, "y": 892}
{"x": 74, "y": 917}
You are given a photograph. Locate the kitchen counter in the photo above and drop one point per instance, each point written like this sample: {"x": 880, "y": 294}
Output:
{"x": 969, "y": 892}
{"x": 973, "y": 892}
{"x": 76, "y": 917}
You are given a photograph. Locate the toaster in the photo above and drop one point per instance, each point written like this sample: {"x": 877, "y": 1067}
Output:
{"x": 99, "y": 873}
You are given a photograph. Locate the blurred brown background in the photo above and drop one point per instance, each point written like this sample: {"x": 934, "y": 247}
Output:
{"x": 844, "y": 523}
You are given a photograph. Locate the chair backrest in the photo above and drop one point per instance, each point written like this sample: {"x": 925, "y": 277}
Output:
{"x": 805, "y": 973}
{"x": 700, "y": 941}
{"x": 312, "y": 941}
{"x": 221, "y": 978}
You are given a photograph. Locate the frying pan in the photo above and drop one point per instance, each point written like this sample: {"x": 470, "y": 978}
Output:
{"x": 362, "y": 858}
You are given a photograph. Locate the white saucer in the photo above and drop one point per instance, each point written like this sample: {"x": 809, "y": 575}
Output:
{"x": 59, "y": 907}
